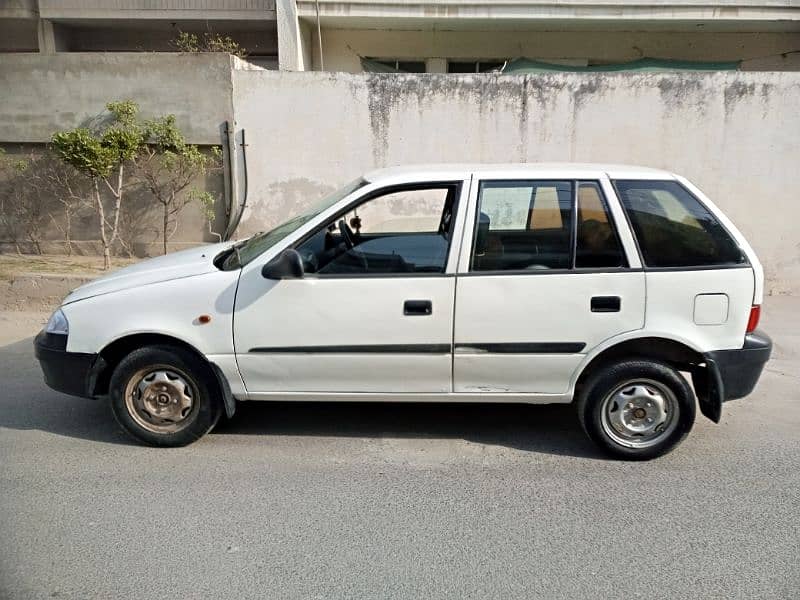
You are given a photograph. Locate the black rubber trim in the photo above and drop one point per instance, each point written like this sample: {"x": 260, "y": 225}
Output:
{"x": 527, "y": 348}
{"x": 358, "y": 349}
{"x": 708, "y": 389}
{"x": 227, "y": 396}
{"x": 95, "y": 372}
{"x": 493, "y": 348}
{"x": 411, "y": 275}
{"x": 698, "y": 268}
{"x": 576, "y": 271}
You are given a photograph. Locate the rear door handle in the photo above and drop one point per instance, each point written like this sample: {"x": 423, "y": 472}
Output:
{"x": 417, "y": 307}
{"x": 605, "y": 304}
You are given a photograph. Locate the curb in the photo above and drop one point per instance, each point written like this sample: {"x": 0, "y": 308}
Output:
{"x": 38, "y": 291}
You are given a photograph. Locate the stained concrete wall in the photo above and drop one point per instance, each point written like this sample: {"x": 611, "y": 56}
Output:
{"x": 140, "y": 220}
{"x": 734, "y": 134}
{"x": 40, "y": 94}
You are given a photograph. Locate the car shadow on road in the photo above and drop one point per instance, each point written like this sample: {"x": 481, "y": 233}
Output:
{"x": 28, "y": 404}
{"x": 551, "y": 429}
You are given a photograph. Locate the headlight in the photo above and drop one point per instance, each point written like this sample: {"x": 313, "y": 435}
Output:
{"x": 57, "y": 324}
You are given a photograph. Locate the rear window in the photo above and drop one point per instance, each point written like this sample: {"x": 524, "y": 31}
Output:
{"x": 673, "y": 228}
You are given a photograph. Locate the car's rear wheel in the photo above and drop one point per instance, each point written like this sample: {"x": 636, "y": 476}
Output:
{"x": 637, "y": 409}
{"x": 164, "y": 396}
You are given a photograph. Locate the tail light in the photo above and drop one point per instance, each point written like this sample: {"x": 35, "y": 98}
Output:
{"x": 755, "y": 315}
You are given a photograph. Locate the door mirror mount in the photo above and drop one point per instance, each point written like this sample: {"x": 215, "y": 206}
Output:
{"x": 287, "y": 265}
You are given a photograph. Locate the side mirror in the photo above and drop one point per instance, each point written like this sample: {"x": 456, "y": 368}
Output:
{"x": 287, "y": 265}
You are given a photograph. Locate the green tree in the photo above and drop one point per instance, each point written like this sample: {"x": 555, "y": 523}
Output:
{"x": 102, "y": 156}
{"x": 167, "y": 167}
{"x": 210, "y": 42}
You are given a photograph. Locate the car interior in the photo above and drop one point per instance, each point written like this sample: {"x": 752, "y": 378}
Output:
{"x": 544, "y": 240}
{"x": 350, "y": 244}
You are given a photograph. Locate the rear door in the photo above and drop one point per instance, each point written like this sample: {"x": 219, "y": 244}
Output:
{"x": 545, "y": 275}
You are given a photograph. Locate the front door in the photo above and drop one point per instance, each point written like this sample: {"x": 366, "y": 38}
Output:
{"x": 374, "y": 311}
{"x": 543, "y": 280}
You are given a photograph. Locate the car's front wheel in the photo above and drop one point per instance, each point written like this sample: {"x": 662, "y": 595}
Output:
{"x": 637, "y": 409}
{"x": 164, "y": 396}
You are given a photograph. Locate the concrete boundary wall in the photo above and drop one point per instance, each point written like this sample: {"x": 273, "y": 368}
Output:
{"x": 40, "y": 94}
{"x": 735, "y": 134}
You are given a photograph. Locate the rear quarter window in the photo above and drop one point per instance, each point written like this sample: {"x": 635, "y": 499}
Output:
{"x": 673, "y": 228}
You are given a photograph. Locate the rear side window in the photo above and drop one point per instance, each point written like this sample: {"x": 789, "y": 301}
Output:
{"x": 523, "y": 225}
{"x": 673, "y": 228}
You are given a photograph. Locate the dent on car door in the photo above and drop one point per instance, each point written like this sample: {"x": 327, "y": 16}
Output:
{"x": 373, "y": 313}
{"x": 547, "y": 280}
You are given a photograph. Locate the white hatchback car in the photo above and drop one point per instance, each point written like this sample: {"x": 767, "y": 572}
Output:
{"x": 547, "y": 283}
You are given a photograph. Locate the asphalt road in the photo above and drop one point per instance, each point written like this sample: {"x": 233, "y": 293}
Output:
{"x": 396, "y": 501}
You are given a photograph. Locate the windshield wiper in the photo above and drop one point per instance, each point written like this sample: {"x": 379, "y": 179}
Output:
{"x": 223, "y": 259}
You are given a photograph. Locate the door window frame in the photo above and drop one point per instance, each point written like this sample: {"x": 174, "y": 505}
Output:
{"x": 575, "y": 223}
{"x": 616, "y": 217}
{"x": 453, "y": 243}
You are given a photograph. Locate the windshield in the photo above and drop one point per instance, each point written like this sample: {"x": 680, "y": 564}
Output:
{"x": 249, "y": 249}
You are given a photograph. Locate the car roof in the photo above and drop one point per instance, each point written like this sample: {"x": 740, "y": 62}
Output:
{"x": 430, "y": 172}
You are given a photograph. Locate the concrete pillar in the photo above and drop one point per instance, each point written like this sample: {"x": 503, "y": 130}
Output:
{"x": 290, "y": 57}
{"x": 306, "y": 49}
{"x": 436, "y": 65}
{"x": 52, "y": 37}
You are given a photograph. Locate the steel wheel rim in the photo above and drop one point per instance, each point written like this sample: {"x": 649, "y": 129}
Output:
{"x": 161, "y": 399}
{"x": 639, "y": 413}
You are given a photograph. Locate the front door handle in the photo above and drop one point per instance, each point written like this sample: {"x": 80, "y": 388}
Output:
{"x": 417, "y": 307}
{"x": 605, "y": 304}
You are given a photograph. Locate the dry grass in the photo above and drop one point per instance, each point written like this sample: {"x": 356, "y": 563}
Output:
{"x": 14, "y": 264}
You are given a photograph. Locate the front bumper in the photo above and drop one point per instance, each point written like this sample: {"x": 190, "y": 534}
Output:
{"x": 67, "y": 372}
{"x": 738, "y": 371}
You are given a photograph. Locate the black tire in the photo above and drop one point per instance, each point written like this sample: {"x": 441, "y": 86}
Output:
{"x": 609, "y": 381}
{"x": 194, "y": 376}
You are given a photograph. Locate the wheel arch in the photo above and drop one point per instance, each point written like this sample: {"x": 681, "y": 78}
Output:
{"x": 678, "y": 354}
{"x": 110, "y": 356}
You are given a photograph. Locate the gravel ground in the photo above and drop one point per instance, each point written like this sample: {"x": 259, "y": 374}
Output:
{"x": 400, "y": 501}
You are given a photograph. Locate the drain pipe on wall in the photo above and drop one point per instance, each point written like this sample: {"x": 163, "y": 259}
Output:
{"x": 236, "y": 217}
{"x": 227, "y": 177}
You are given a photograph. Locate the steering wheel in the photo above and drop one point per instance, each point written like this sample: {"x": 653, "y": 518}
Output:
{"x": 347, "y": 234}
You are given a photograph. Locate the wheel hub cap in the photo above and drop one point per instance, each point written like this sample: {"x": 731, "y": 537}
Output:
{"x": 639, "y": 413}
{"x": 160, "y": 399}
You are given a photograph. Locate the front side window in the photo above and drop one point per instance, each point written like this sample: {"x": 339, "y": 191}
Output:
{"x": 401, "y": 231}
{"x": 523, "y": 225}
{"x": 673, "y": 228}
{"x": 249, "y": 249}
